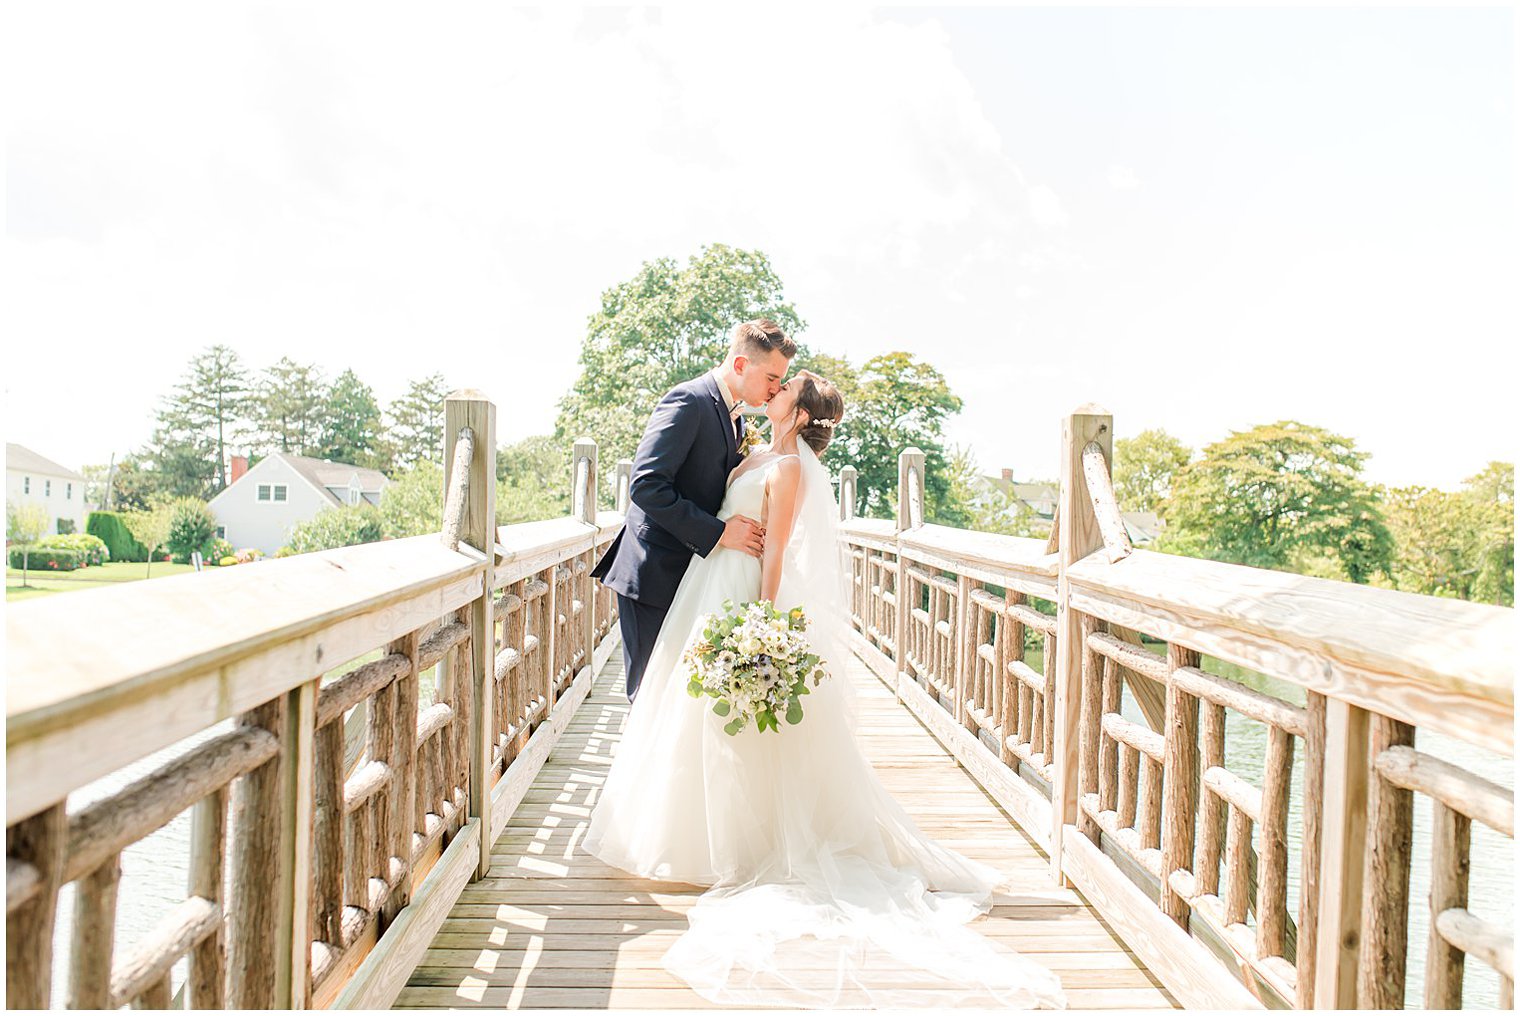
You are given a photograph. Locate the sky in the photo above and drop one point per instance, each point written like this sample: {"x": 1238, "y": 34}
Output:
{"x": 1199, "y": 219}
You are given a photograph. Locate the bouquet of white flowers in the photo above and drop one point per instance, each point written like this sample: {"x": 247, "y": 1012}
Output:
{"x": 756, "y": 662}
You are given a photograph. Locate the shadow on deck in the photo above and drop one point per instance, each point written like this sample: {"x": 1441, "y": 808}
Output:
{"x": 552, "y": 927}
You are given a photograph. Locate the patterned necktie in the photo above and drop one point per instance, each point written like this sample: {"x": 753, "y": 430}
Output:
{"x": 736, "y": 417}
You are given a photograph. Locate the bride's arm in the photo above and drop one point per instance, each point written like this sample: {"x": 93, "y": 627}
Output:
{"x": 781, "y": 511}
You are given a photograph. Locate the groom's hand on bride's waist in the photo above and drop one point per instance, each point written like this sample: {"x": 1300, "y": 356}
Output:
{"x": 743, "y": 533}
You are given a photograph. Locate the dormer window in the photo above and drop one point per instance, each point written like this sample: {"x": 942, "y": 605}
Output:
{"x": 354, "y": 493}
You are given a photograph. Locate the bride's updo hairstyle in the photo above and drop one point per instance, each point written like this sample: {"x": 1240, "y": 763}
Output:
{"x": 824, "y": 406}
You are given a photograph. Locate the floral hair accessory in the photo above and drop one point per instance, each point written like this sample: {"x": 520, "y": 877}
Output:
{"x": 823, "y": 423}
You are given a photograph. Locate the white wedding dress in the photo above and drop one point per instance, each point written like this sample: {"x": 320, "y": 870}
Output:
{"x": 824, "y": 892}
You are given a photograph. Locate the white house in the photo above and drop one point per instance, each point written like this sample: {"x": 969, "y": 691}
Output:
{"x": 1042, "y": 499}
{"x": 32, "y": 479}
{"x": 260, "y": 505}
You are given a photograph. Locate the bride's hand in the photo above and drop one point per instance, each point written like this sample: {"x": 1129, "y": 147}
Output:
{"x": 743, "y": 533}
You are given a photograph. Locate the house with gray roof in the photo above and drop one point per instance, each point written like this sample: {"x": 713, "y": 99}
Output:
{"x": 261, "y": 505}
{"x": 31, "y": 478}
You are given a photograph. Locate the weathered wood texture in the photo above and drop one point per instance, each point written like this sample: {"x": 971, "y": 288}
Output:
{"x": 552, "y": 927}
{"x": 1080, "y": 537}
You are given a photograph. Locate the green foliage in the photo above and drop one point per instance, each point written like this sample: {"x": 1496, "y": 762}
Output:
{"x": 133, "y": 487}
{"x": 289, "y": 407}
{"x": 150, "y": 529}
{"x": 25, "y": 523}
{"x": 1262, "y": 496}
{"x": 92, "y": 549}
{"x": 1144, "y": 466}
{"x": 351, "y": 428}
{"x": 46, "y": 559}
{"x": 893, "y": 401}
{"x": 192, "y": 528}
{"x": 337, "y": 527}
{"x": 534, "y": 479}
{"x": 219, "y": 551}
{"x": 112, "y": 531}
{"x": 1457, "y": 544}
{"x": 416, "y": 423}
{"x": 413, "y": 502}
{"x": 187, "y": 453}
{"x": 665, "y": 325}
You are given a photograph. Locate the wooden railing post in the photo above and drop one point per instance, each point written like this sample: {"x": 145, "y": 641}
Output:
{"x": 1382, "y": 962}
{"x": 270, "y": 926}
{"x": 1079, "y": 536}
{"x": 624, "y": 481}
{"x": 585, "y": 448}
{"x": 298, "y": 811}
{"x": 38, "y": 843}
{"x": 910, "y": 477}
{"x": 473, "y": 410}
{"x": 847, "y": 480}
{"x": 1343, "y": 836}
{"x": 583, "y": 473}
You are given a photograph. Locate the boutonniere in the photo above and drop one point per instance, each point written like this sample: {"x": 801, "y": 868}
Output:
{"x": 751, "y": 439}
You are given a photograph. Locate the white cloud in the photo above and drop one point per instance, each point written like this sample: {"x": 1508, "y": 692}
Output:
{"x": 1122, "y": 178}
{"x": 403, "y": 193}
{"x": 1046, "y": 208}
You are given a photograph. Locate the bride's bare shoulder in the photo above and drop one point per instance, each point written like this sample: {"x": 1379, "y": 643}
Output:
{"x": 782, "y": 475}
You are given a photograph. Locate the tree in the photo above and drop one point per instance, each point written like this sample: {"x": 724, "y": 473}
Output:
{"x": 1493, "y": 490}
{"x": 127, "y": 486}
{"x": 150, "y": 528}
{"x": 290, "y": 405}
{"x": 192, "y": 528}
{"x": 534, "y": 479}
{"x": 1261, "y": 496}
{"x": 1457, "y": 544}
{"x": 665, "y": 325}
{"x": 25, "y": 524}
{"x": 351, "y": 430}
{"x": 892, "y": 402}
{"x": 337, "y": 527}
{"x": 1143, "y": 469}
{"x": 188, "y": 449}
{"x": 415, "y": 432}
{"x": 413, "y": 502}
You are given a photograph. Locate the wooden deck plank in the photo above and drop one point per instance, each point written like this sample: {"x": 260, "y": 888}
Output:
{"x": 551, "y": 927}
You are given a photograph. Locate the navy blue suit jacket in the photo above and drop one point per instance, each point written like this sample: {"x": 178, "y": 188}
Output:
{"x": 680, "y": 473}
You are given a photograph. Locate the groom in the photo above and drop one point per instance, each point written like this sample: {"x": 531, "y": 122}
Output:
{"x": 680, "y": 473}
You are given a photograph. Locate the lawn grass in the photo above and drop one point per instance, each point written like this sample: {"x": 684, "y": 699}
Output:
{"x": 42, "y": 582}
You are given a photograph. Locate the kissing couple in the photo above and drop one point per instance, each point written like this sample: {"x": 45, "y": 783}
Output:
{"x": 823, "y": 892}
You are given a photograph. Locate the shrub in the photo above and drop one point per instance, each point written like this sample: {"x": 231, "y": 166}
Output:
{"x": 192, "y": 528}
{"x": 249, "y": 554}
{"x": 219, "y": 551}
{"x": 92, "y": 549}
{"x": 228, "y": 561}
{"x": 337, "y": 527}
{"x": 109, "y": 527}
{"x": 47, "y": 558}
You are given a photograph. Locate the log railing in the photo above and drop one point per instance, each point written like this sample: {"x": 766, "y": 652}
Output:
{"x": 1089, "y": 687}
{"x": 310, "y": 882}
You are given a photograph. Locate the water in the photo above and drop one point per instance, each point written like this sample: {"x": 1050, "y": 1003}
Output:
{"x": 1492, "y": 876}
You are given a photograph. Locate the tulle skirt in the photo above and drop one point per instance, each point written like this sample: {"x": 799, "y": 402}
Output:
{"x": 824, "y": 893}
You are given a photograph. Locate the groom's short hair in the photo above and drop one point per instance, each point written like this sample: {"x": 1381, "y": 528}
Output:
{"x": 758, "y": 337}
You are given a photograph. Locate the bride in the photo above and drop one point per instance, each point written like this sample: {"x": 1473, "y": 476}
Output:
{"x": 824, "y": 893}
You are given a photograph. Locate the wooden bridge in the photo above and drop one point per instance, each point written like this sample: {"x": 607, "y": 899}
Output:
{"x": 1062, "y": 710}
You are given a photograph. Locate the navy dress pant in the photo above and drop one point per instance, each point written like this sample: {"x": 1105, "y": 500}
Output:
{"x": 640, "y": 624}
